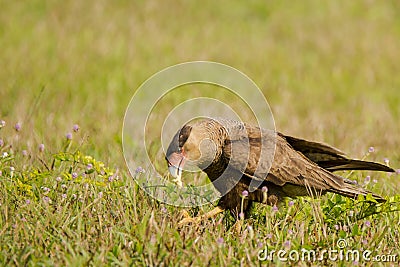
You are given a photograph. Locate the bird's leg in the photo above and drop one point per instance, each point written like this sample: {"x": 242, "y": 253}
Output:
{"x": 187, "y": 219}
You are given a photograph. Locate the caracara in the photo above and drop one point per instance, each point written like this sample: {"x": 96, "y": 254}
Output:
{"x": 268, "y": 165}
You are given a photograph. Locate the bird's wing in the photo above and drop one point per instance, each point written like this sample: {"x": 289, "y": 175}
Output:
{"x": 250, "y": 152}
{"x": 330, "y": 158}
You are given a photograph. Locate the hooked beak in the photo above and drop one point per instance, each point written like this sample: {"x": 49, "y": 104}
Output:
{"x": 176, "y": 162}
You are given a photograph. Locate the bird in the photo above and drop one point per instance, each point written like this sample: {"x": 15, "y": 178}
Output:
{"x": 248, "y": 164}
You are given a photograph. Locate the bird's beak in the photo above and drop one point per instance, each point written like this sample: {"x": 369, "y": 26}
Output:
{"x": 176, "y": 162}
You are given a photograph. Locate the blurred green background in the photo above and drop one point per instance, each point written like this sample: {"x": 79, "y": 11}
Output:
{"x": 329, "y": 69}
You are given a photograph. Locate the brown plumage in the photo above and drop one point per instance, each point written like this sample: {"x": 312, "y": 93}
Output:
{"x": 237, "y": 157}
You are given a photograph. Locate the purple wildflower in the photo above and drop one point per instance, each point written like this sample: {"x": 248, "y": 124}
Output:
{"x": 220, "y": 240}
{"x": 41, "y": 147}
{"x": 1, "y": 142}
{"x": 74, "y": 175}
{"x": 74, "y": 196}
{"x": 375, "y": 181}
{"x": 64, "y": 186}
{"x": 367, "y": 223}
{"x": 367, "y": 179}
{"x": 89, "y": 166}
{"x": 2, "y": 123}
{"x": 260, "y": 244}
{"x": 291, "y": 203}
{"x": 164, "y": 209}
{"x": 64, "y": 196}
{"x": 245, "y": 193}
{"x": 351, "y": 213}
{"x": 110, "y": 178}
{"x": 398, "y": 171}
{"x": 100, "y": 195}
{"x": 371, "y": 149}
{"x": 269, "y": 236}
{"x": 241, "y": 215}
{"x": 337, "y": 227}
{"x": 46, "y": 199}
{"x": 68, "y": 136}
{"x": 264, "y": 189}
{"x": 46, "y": 189}
{"x": 75, "y": 127}
{"x": 58, "y": 179}
{"x": 27, "y": 201}
{"x": 24, "y": 153}
{"x": 17, "y": 127}
{"x": 275, "y": 208}
{"x": 139, "y": 170}
{"x": 286, "y": 244}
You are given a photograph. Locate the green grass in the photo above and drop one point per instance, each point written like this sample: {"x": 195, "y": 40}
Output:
{"x": 329, "y": 71}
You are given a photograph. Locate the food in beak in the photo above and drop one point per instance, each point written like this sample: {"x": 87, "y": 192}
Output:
{"x": 175, "y": 165}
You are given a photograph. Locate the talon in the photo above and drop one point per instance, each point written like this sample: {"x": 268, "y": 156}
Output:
{"x": 188, "y": 220}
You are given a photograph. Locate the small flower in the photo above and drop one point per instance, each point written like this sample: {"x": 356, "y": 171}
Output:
{"x": 365, "y": 241}
{"x": 291, "y": 203}
{"x": 375, "y": 181}
{"x": 68, "y": 136}
{"x": 220, "y": 241}
{"x": 398, "y": 171}
{"x": 286, "y": 244}
{"x": 241, "y": 215}
{"x": 58, "y": 179}
{"x": 41, "y": 147}
{"x": 46, "y": 189}
{"x": 367, "y": 223}
{"x": 1, "y": 142}
{"x": 139, "y": 170}
{"x": 351, "y": 213}
{"x": 260, "y": 244}
{"x": 17, "y": 127}
{"x": 269, "y": 236}
{"x": 24, "y": 153}
{"x": 89, "y": 166}
{"x": 75, "y": 127}
{"x": 74, "y": 196}
{"x": 290, "y": 232}
{"x": 2, "y": 123}
{"x": 275, "y": 208}
{"x": 46, "y": 199}
{"x": 74, "y": 175}
{"x": 110, "y": 178}
{"x": 12, "y": 169}
{"x": 63, "y": 186}
{"x": 367, "y": 179}
{"x": 100, "y": 195}
{"x": 64, "y": 196}
{"x": 27, "y": 201}
{"x": 264, "y": 189}
{"x": 371, "y": 149}
{"x": 245, "y": 193}
{"x": 337, "y": 227}
{"x": 5, "y": 154}
{"x": 164, "y": 209}
{"x": 386, "y": 160}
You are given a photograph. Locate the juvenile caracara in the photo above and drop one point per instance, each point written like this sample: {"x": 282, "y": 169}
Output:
{"x": 269, "y": 165}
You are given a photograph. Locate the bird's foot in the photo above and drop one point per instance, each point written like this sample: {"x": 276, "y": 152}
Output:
{"x": 187, "y": 219}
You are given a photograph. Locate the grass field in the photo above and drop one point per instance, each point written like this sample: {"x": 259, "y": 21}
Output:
{"x": 329, "y": 70}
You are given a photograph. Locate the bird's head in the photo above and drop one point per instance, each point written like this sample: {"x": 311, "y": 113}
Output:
{"x": 196, "y": 145}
